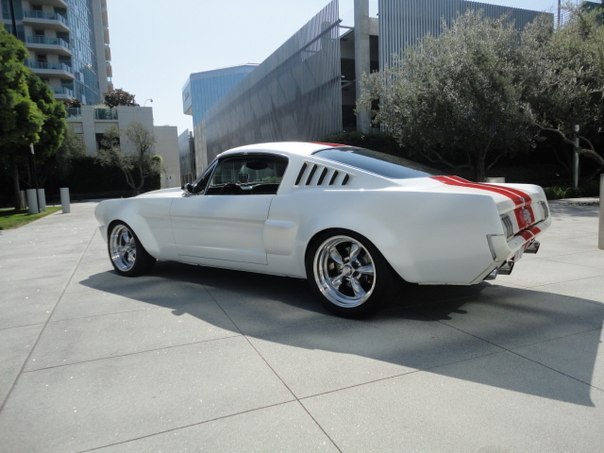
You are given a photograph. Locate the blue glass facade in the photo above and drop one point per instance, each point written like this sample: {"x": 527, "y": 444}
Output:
{"x": 204, "y": 89}
{"x": 82, "y": 44}
{"x": 60, "y": 34}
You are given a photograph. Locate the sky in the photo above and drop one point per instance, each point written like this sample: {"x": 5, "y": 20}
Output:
{"x": 157, "y": 44}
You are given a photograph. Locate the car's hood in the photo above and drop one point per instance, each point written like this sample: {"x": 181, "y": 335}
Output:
{"x": 162, "y": 193}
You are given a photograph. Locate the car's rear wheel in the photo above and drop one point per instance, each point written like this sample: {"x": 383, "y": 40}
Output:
{"x": 348, "y": 273}
{"x": 127, "y": 254}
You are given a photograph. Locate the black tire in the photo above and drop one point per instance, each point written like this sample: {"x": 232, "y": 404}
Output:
{"x": 348, "y": 273}
{"x": 128, "y": 256}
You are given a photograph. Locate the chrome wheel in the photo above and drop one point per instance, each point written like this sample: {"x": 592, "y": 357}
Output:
{"x": 122, "y": 248}
{"x": 344, "y": 271}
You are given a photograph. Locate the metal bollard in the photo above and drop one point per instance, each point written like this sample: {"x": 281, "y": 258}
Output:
{"x": 601, "y": 229}
{"x": 65, "y": 199}
{"x": 32, "y": 201}
{"x": 41, "y": 200}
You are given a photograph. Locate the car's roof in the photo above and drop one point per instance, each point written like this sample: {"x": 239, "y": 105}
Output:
{"x": 296, "y": 148}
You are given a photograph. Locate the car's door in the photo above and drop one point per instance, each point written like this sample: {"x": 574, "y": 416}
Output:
{"x": 225, "y": 221}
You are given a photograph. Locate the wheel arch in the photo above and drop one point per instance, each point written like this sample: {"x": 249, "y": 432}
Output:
{"x": 140, "y": 228}
{"x": 319, "y": 235}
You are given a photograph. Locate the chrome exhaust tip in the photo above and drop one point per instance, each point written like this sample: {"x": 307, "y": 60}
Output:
{"x": 533, "y": 247}
{"x": 492, "y": 275}
{"x": 506, "y": 268}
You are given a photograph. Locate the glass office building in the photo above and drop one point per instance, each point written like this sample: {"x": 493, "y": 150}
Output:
{"x": 204, "y": 89}
{"x": 306, "y": 89}
{"x": 294, "y": 94}
{"x": 68, "y": 44}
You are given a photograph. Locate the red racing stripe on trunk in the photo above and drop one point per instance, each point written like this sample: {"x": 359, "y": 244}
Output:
{"x": 530, "y": 233}
{"x": 518, "y": 197}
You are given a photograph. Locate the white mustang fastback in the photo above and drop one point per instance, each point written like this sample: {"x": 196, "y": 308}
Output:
{"x": 349, "y": 220}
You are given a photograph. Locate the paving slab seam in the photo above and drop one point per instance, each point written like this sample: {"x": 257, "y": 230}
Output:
{"x": 399, "y": 375}
{"x": 190, "y": 425}
{"x": 558, "y": 259}
{"x": 543, "y": 285}
{"x": 275, "y": 373}
{"x": 130, "y": 354}
{"x": 4, "y": 329}
{"x": 31, "y": 351}
{"x": 517, "y": 354}
{"x": 119, "y": 312}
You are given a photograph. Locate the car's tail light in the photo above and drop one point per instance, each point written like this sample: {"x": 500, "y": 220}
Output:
{"x": 508, "y": 226}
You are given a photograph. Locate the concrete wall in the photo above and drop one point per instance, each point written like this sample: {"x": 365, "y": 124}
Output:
{"x": 90, "y": 120}
{"x": 166, "y": 145}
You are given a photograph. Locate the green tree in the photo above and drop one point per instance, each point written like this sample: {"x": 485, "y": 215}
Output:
{"x": 54, "y": 125}
{"x": 456, "y": 99}
{"x": 21, "y": 119}
{"x": 58, "y": 166}
{"x": 119, "y": 97}
{"x": 137, "y": 165}
{"x": 565, "y": 79}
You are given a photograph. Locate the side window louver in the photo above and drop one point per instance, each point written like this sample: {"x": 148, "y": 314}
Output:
{"x": 313, "y": 175}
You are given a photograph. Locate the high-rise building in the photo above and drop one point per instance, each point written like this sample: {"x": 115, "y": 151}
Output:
{"x": 68, "y": 44}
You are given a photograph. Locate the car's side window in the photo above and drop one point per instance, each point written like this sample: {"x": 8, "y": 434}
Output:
{"x": 247, "y": 175}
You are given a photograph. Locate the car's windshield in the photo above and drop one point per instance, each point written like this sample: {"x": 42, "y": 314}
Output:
{"x": 376, "y": 162}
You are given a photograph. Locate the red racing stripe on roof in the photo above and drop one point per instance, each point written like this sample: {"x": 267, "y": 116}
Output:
{"x": 337, "y": 145}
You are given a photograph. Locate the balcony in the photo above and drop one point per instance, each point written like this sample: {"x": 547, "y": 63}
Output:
{"x": 74, "y": 113}
{"x": 55, "y": 3}
{"x": 105, "y": 114}
{"x": 48, "y": 45}
{"x": 52, "y": 21}
{"x": 63, "y": 93}
{"x": 60, "y": 70}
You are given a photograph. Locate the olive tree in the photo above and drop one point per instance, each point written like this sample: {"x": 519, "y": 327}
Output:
{"x": 456, "y": 99}
{"x": 136, "y": 166}
{"x": 119, "y": 97}
{"x": 564, "y": 76}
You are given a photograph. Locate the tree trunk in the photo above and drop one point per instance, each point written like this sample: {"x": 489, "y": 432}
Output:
{"x": 480, "y": 172}
{"x": 16, "y": 185}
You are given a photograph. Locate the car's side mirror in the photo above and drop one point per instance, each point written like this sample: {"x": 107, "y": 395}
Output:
{"x": 188, "y": 187}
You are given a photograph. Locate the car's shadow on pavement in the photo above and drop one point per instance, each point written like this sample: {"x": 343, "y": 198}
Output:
{"x": 521, "y": 340}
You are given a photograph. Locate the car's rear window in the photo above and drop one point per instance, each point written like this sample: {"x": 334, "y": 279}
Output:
{"x": 375, "y": 162}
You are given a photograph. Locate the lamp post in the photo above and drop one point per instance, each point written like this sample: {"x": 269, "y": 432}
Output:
{"x": 577, "y": 128}
{"x": 147, "y": 100}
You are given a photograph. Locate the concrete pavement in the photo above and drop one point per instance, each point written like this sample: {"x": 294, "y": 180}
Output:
{"x": 191, "y": 359}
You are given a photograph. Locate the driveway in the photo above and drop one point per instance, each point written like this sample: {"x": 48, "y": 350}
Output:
{"x": 191, "y": 359}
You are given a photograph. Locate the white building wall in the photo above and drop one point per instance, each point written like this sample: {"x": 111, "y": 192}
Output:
{"x": 92, "y": 120}
{"x": 166, "y": 145}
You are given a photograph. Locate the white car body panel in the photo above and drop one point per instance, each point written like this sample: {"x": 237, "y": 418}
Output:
{"x": 430, "y": 230}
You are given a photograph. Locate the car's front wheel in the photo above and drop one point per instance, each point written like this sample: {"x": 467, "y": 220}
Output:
{"x": 127, "y": 254}
{"x": 348, "y": 273}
